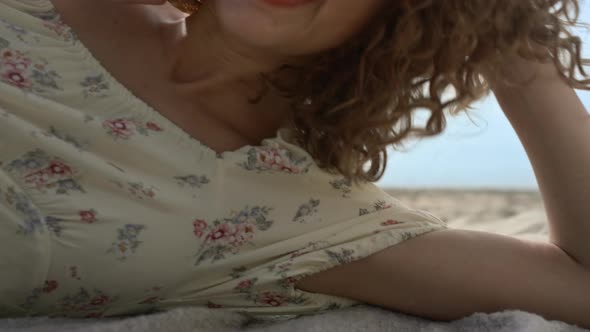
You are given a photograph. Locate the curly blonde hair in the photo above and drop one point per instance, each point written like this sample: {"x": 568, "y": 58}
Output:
{"x": 364, "y": 93}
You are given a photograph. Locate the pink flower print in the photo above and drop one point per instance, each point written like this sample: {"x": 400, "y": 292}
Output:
{"x": 272, "y": 299}
{"x": 99, "y": 300}
{"x": 7, "y": 54}
{"x": 17, "y": 79}
{"x": 274, "y": 159}
{"x": 235, "y": 235}
{"x": 60, "y": 28}
{"x": 243, "y": 233}
{"x": 153, "y": 126}
{"x": 40, "y": 178}
{"x": 85, "y": 300}
{"x": 381, "y": 205}
{"x": 218, "y": 232}
{"x": 58, "y": 168}
{"x": 50, "y": 286}
{"x": 88, "y": 216}
{"x": 139, "y": 190}
{"x": 151, "y": 297}
{"x": 119, "y": 128}
{"x": 246, "y": 284}
{"x": 41, "y": 171}
{"x": 127, "y": 127}
{"x": 228, "y": 235}
{"x": 54, "y": 169}
{"x": 15, "y": 69}
{"x": 15, "y": 59}
{"x": 213, "y": 305}
{"x": 308, "y": 248}
{"x": 199, "y": 226}
{"x": 299, "y": 252}
{"x": 290, "y": 280}
{"x": 390, "y": 222}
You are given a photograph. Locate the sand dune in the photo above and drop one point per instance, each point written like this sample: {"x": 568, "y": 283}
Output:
{"x": 516, "y": 213}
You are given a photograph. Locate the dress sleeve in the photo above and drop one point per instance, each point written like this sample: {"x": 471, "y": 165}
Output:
{"x": 321, "y": 221}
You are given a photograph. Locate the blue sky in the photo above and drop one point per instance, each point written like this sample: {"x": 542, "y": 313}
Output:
{"x": 476, "y": 151}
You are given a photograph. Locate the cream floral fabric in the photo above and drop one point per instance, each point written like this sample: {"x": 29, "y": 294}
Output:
{"x": 107, "y": 208}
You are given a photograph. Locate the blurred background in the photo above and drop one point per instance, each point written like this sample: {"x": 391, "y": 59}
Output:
{"x": 479, "y": 151}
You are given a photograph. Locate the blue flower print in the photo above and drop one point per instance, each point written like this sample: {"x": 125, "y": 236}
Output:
{"x": 344, "y": 185}
{"x": 192, "y": 180}
{"x": 95, "y": 86}
{"x": 31, "y": 220}
{"x": 127, "y": 241}
{"x": 305, "y": 212}
{"x": 379, "y": 205}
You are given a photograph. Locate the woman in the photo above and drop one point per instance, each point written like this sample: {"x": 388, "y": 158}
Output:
{"x": 110, "y": 207}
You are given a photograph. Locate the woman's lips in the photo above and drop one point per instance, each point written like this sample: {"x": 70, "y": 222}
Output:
{"x": 288, "y": 3}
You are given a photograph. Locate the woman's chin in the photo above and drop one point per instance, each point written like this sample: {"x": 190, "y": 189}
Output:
{"x": 267, "y": 26}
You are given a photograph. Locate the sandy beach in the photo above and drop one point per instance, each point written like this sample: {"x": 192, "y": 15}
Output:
{"x": 509, "y": 212}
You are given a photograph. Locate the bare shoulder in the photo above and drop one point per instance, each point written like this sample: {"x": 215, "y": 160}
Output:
{"x": 453, "y": 273}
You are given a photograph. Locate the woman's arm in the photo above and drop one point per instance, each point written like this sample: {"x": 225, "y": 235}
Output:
{"x": 450, "y": 274}
{"x": 554, "y": 128}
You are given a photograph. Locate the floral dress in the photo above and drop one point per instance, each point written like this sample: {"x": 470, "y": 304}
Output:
{"x": 109, "y": 209}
